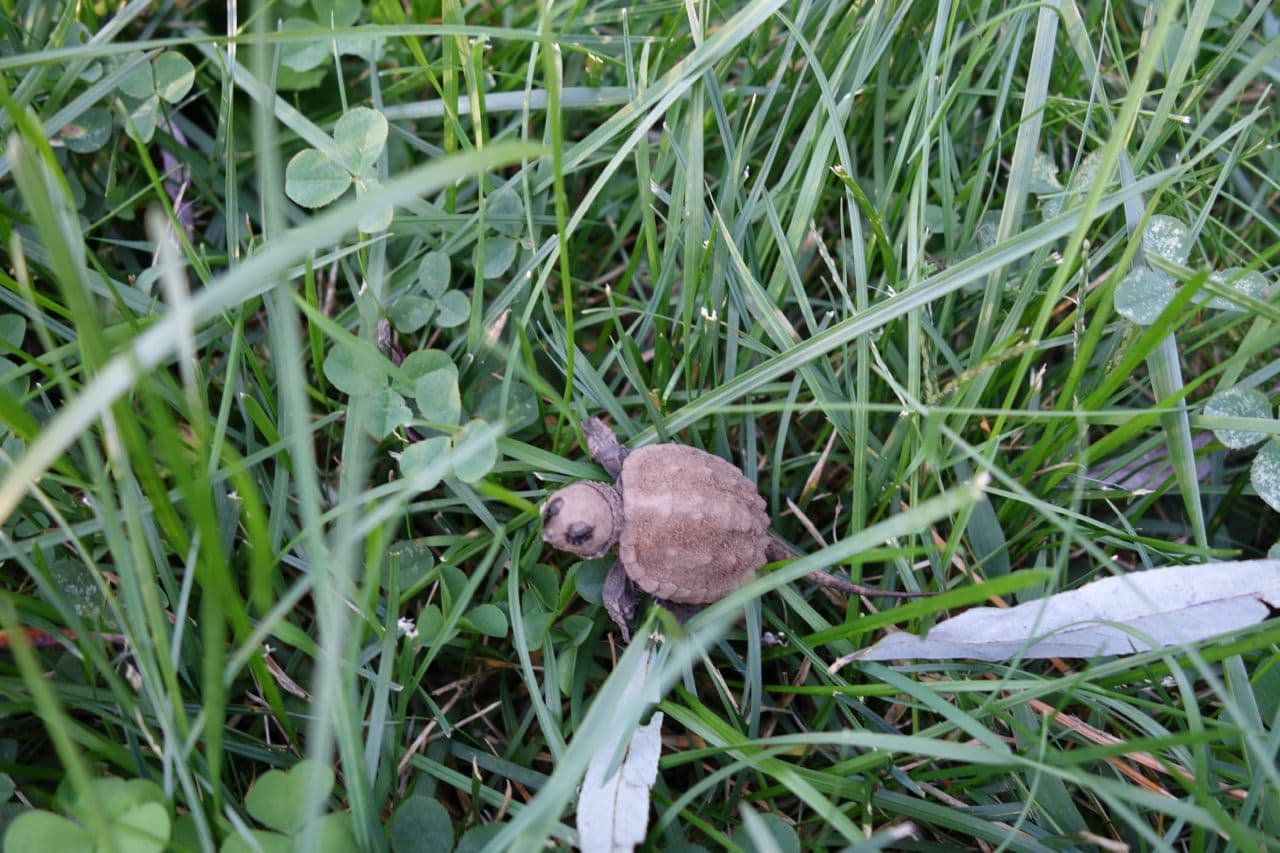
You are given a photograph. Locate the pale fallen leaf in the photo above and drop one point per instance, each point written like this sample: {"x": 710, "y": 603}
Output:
{"x": 1150, "y": 471}
{"x": 613, "y": 808}
{"x": 1114, "y": 616}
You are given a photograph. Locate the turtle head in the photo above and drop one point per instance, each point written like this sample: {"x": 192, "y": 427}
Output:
{"x": 583, "y": 519}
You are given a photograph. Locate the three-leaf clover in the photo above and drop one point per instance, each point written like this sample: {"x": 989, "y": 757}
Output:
{"x": 420, "y": 823}
{"x": 430, "y": 297}
{"x": 503, "y": 216}
{"x": 1044, "y": 182}
{"x": 301, "y": 59}
{"x": 430, "y": 378}
{"x": 1146, "y": 291}
{"x": 138, "y": 819}
{"x": 168, "y": 77}
{"x": 314, "y": 178}
{"x": 283, "y": 800}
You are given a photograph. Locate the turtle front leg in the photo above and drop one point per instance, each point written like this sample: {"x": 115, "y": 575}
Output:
{"x": 604, "y": 447}
{"x": 619, "y": 595}
{"x": 775, "y": 549}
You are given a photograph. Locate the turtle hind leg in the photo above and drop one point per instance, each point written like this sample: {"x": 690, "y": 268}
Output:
{"x": 775, "y": 549}
{"x": 620, "y": 597}
{"x": 604, "y": 447}
{"x": 682, "y": 612}
{"x": 831, "y": 581}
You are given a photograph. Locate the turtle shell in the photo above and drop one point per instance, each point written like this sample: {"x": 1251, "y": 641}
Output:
{"x": 694, "y": 528}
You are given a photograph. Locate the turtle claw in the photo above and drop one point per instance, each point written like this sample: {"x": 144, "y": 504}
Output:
{"x": 619, "y": 595}
{"x": 603, "y": 446}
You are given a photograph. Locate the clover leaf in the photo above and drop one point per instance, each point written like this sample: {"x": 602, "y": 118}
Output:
{"x": 314, "y": 178}
{"x": 354, "y": 370}
{"x": 168, "y": 77}
{"x": 1238, "y": 403}
{"x": 503, "y": 217}
{"x": 425, "y": 463}
{"x": 1143, "y": 294}
{"x": 137, "y": 816}
{"x": 1265, "y": 473}
{"x": 429, "y": 298}
{"x": 420, "y": 824}
{"x": 88, "y": 131}
{"x": 1168, "y": 238}
{"x": 387, "y": 412}
{"x": 469, "y": 455}
{"x": 282, "y": 799}
{"x": 437, "y": 395}
{"x": 1236, "y": 280}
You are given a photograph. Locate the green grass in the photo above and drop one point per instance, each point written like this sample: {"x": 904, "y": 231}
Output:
{"x": 820, "y": 239}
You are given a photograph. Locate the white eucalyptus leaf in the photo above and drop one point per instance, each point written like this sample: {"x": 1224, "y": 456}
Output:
{"x": 613, "y": 808}
{"x": 1160, "y": 608}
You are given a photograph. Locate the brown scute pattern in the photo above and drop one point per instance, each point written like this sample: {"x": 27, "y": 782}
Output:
{"x": 695, "y": 528}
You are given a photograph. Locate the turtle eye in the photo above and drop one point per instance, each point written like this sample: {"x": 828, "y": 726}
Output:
{"x": 579, "y": 533}
{"x": 553, "y": 506}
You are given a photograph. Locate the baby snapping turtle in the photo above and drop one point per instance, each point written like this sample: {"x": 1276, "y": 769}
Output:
{"x": 689, "y": 527}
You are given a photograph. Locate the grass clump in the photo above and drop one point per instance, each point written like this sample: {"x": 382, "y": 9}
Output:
{"x": 299, "y": 328}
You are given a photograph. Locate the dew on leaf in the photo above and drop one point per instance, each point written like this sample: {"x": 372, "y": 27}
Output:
{"x": 1168, "y": 238}
{"x": 1143, "y": 294}
{"x": 1249, "y": 283}
{"x": 1238, "y": 402}
{"x": 1044, "y": 175}
{"x": 1265, "y": 474}
{"x": 1086, "y": 173}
